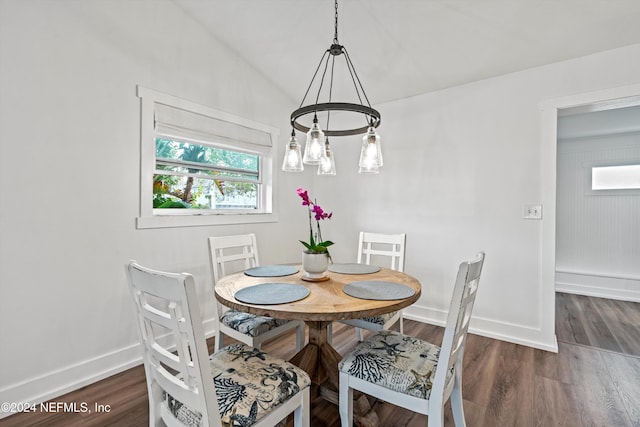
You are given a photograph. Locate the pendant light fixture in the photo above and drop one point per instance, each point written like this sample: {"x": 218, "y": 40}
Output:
{"x": 317, "y": 150}
{"x": 292, "y": 158}
{"x": 370, "y": 153}
{"x": 327, "y": 165}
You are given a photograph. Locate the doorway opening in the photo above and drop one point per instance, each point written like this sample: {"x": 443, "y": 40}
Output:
{"x": 553, "y": 114}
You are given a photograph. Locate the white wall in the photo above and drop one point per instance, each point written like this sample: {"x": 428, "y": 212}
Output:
{"x": 598, "y": 244}
{"x": 69, "y": 170}
{"x": 460, "y": 164}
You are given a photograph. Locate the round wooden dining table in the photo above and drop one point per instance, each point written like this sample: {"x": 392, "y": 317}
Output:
{"x": 325, "y": 303}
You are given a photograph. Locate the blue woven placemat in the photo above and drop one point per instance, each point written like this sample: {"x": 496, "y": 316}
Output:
{"x": 272, "y": 293}
{"x": 378, "y": 290}
{"x": 271, "y": 271}
{"x": 354, "y": 268}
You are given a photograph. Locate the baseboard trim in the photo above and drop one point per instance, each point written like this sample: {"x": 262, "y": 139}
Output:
{"x": 490, "y": 328}
{"x": 62, "y": 381}
{"x": 623, "y": 287}
{"x": 617, "y": 294}
{"x": 67, "y": 379}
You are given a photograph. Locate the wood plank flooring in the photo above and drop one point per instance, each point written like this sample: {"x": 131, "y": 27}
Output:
{"x": 598, "y": 322}
{"x": 594, "y": 379}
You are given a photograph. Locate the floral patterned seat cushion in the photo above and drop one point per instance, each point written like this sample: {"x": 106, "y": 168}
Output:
{"x": 248, "y": 384}
{"x": 397, "y": 362}
{"x": 250, "y": 324}
{"x": 381, "y": 319}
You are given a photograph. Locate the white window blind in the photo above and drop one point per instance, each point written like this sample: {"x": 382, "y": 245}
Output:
{"x": 180, "y": 123}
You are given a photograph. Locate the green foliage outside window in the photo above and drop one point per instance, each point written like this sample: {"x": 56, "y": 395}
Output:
{"x": 204, "y": 177}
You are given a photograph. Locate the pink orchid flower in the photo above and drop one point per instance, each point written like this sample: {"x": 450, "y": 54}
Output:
{"x": 316, "y": 244}
{"x": 305, "y": 197}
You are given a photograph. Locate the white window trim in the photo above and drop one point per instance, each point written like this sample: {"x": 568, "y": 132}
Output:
{"x": 150, "y": 219}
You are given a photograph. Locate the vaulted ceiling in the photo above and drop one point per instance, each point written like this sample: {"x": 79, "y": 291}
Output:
{"x": 402, "y": 48}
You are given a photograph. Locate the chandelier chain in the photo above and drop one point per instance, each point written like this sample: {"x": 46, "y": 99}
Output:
{"x": 335, "y": 34}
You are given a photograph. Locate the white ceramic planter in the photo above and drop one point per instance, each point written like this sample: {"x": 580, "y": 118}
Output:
{"x": 315, "y": 265}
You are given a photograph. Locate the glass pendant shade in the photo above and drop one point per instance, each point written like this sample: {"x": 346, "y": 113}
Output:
{"x": 314, "y": 147}
{"x": 292, "y": 157}
{"x": 371, "y": 152}
{"x": 327, "y": 165}
{"x": 372, "y": 170}
{"x": 369, "y": 169}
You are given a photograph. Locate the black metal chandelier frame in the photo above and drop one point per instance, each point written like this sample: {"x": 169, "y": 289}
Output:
{"x": 372, "y": 116}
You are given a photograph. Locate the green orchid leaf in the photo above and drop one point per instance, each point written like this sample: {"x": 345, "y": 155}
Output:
{"x": 306, "y": 245}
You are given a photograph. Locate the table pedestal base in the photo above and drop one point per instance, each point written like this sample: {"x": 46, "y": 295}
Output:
{"x": 320, "y": 360}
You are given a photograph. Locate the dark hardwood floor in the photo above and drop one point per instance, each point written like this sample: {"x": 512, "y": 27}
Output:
{"x": 593, "y": 380}
{"x": 598, "y": 322}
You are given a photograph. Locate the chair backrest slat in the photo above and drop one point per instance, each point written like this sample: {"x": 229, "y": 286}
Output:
{"x": 455, "y": 334}
{"x": 388, "y": 245}
{"x": 178, "y": 389}
{"x": 226, "y": 251}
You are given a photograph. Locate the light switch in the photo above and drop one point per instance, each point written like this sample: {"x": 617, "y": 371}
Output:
{"x": 532, "y": 211}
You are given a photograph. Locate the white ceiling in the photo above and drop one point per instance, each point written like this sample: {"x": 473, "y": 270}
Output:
{"x": 402, "y": 48}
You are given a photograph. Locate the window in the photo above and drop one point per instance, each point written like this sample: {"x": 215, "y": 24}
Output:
{"x": 200, "y": 166}
{"x": 619, "y": 177}
{"x": 198, "y": 176}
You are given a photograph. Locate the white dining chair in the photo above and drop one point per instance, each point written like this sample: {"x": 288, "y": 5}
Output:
{"x": 382, "y": 250}
{"x": 230, "y": 254}
{"x": 238, "y": 385}
{"x": 410, "y": 372}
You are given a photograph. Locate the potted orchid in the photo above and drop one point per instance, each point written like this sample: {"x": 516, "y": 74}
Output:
{"x": 315, "y": 257}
